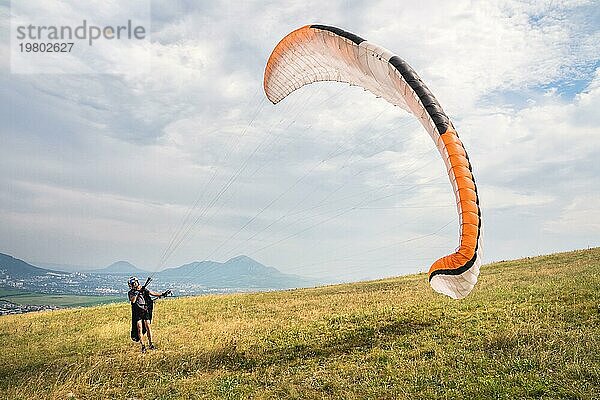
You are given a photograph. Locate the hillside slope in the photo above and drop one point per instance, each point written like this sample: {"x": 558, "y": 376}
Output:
{"x": 530, "y": 329}
{"x": 20, "y": 269}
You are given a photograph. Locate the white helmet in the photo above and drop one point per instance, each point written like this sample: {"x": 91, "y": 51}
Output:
{"x": 133, "y": 282}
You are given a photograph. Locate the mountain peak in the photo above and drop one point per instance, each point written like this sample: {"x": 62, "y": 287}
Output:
{"x": 240, "y": 258}
{"x": 121, "y": 268}
{"x": 121, "y": 264}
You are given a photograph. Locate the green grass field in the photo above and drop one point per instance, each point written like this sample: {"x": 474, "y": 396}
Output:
{"x": 530, "y": 329}
{"x": 61, "y": 300}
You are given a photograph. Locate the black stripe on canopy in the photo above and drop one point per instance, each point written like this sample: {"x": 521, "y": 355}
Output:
{"x": 435, "y": 111}
{"x": 340, "y": 32}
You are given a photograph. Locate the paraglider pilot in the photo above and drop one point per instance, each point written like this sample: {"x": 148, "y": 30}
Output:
{"x": 141, "y": 311}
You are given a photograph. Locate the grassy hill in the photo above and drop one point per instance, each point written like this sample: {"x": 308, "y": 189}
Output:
{"x": 530, "y": 329}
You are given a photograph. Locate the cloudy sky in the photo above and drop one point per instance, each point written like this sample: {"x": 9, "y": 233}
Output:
{"x": 186, "y": 160}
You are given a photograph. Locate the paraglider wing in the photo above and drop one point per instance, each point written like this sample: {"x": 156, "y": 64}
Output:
{"x": 316, "y": 53}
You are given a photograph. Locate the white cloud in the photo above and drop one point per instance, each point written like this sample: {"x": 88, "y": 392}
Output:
{"x": 498, "y": 197}
{"x": 580, "y": 217}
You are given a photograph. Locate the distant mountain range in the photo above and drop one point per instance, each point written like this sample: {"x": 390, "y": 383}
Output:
{"x": 240, "y": 272}
{"x": 120, "y": 268}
